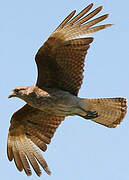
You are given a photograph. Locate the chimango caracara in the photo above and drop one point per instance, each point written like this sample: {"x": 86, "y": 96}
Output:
{"x": 60, "y": 63}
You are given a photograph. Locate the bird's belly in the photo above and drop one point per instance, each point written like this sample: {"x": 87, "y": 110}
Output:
{"x": 65, "y": 106}
{"x": 60, "y": 110}
{"x": 57, "y": 102}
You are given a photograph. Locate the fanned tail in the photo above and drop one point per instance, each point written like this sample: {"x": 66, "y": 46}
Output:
{"x": 108, "y": 111}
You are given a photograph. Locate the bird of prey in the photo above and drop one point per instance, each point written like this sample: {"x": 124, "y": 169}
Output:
{"x": 60, "y": 62}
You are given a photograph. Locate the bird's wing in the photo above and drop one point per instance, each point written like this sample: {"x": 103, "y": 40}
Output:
{"x": 60, "y": 60}
{"x": 30, "y": 130}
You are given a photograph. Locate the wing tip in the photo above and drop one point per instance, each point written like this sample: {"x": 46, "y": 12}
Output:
{"x": 100, "y": 8}
{"x": 108, "y": 25}
{"x": 90, "y": 5}
{"x": 47, "y": 171}
{"x": 73, "y": 12}
{"x": 106, "y": 15}
{"x": 29, "y": 173}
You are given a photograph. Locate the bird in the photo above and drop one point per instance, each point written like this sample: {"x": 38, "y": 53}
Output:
{"x": 60, "y": 62}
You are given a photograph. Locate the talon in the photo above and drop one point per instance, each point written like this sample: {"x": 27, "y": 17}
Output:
{"x": 91, "y": 115}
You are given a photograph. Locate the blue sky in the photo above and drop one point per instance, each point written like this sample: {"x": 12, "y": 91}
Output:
{"x": 80, "y": 149}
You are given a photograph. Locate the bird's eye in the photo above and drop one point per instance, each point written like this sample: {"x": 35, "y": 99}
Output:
{"x": 17, "y": 90}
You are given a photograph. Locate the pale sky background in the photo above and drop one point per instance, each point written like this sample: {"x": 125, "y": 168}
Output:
{"x": 80, "y": 149}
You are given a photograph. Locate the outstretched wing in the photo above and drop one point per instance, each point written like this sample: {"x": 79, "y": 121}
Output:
{"x": 60, "y": 60}
{"x": 30, "y": 130}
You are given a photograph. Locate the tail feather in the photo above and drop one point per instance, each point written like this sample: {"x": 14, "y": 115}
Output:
{"x": 111, "y": 111}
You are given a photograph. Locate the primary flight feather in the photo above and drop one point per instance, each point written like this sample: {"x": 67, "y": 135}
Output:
{"x": 60, "y": 63}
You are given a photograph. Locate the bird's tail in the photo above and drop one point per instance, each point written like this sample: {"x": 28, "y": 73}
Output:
{"x": 105, "y": 111}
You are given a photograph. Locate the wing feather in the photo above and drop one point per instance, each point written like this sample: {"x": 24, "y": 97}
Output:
{"x": 22, "y": 154}
{"x": 29, "y": 153}
{"x": 82, "y": 13}
{"x": 66, "y": 20}
{"x": 38, "y": 142}
{"x": 65, "y": 48}
{"x": 95, "y": 21}
{"x": 9, "y": 149}
{"x": 89, "y": 16}
{"x": 30, "y": 130}
{"x": 98, "y": 28}
{"x": 17, "y": 158}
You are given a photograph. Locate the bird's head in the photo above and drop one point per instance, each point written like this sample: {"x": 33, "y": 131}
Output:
{"x": 28, "y": 93}
{"x": 19, "y": 92}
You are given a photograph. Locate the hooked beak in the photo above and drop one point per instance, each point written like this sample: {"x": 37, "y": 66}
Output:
{"x": 12, "y": 95}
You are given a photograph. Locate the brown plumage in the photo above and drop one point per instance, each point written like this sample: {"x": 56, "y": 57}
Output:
{"x": 60, "y": 63}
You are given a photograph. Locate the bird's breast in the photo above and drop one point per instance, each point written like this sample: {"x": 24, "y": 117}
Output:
{"x": 60, "y": 103}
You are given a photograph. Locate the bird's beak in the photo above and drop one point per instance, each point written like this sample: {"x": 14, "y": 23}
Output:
{"x": 12, "y": 95}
